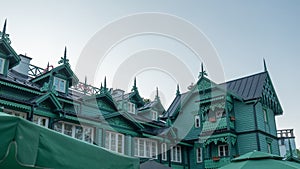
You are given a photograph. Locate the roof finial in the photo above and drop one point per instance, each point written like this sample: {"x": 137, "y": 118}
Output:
{"x": 65, "y": 55}
{"x": 203, "y": 72}
{"x": 4, "y": 29}
{"x": 177, "y": 91}
{"x": 157, "y": 95}
{"x": 48, "y": 65}
{"x": 105, "y": 82}
{"x": 64, "y": 59}
{"x": 101, "y": 86}
{"x": 134, "y": 88}
{"x": 265, "y": 66}
{"x": 134, "y": 83}
{"x": 85, "y": 80}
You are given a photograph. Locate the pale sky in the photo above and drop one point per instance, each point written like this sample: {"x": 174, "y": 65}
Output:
{"x": 243, "y": 33}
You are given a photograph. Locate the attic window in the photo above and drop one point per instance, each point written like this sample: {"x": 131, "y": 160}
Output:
{"x": 131, "y": 108}
{"x": 60, "y": 84}
{"x": 2, "y": 61}
{"x": 154, "y": 115}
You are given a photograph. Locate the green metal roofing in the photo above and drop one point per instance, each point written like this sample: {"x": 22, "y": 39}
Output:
{"x": 19, "y": 87}
{"x": 13, "y": 104}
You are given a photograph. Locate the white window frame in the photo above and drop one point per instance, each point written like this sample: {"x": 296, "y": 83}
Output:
{"x": 164, "y": 151}
{"x": 131, "y": 107}
{"x": 176, "y": 154}
{"x": 265, "y": 114}
{"x": 142, "y": 149}
{"x": 109, "y": 136}
{"x": 40, "y": 119}
{"x": 2, "y": 65}
{"x": 199, "y": 155}
{"x": 222, "y": 150}
{"x": 197, "y": 121}
{"x": 57, "y": 85}
{"x": 154, "y": 115}
{"x": 16, "y": 113}
{"x": 73, "y": 129}
{"x": 269, "y": 147}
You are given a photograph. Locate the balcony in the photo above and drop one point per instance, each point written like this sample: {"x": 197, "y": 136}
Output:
{"x": 217, "y": 124}
{"x": 216, "y": 163}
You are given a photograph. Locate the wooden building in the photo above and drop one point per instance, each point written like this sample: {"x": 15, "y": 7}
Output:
{"x": 204, "y": 127}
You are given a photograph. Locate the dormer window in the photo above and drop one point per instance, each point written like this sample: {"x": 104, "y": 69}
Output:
{"x": 2, "y": 61}
{"x": 60, "y": 84}
{"x": 197, "y": 121}
{"x": 154, "y": 115}
{"x": 131, "y": 108}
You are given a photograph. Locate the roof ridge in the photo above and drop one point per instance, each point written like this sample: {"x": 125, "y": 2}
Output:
{"x": 242, "y": 78}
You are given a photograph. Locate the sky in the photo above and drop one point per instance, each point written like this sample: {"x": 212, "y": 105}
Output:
{"x": 242, "y": 33}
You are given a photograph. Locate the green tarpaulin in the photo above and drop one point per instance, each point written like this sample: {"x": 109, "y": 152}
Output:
{"x": 26, "y": 145}
{"x": 260, "y": 160}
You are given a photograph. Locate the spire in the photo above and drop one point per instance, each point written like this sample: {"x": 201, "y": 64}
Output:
{"x": 134, "y": 85}
{"x": 203, "y": 72}
{"x": 177, "y": 91}
{"x": 4, "y": 29}
{"x": 105, "y": 82}
{"x": 265, "y": 66}
{"x": 64, "y": 59}
{"x": 85, "y": 80}
{"x": 65, "y": 55}
{"x": 48, "y": 65}
{"x": 157, "y": 96}
{"x": 101, "y": 86}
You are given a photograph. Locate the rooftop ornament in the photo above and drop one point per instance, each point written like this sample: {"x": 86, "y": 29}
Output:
{"x": 203, "y": 72}
{"x": 5, "y": 36}
{"x": 64, "y": 60}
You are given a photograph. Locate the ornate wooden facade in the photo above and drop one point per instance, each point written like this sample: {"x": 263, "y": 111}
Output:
{"x": 204, "y": 127}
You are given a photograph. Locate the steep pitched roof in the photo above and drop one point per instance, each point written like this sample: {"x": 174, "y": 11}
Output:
{"x": 173, "y": 109}
{"x": 249, "y": 87}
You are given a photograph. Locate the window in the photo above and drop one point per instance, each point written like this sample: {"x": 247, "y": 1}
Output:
{"x": 197, "y": 121}
{"x": 41, "y": 121}
{"x": 265, "y": 115}
{"x": 2, "y": 61}
{"x": 145, "y": 148}
{"x": 176, "y": 154}
{"x": 223, "y": 150}
{"x": 269, "y": 147}
{"x": 114, "y": 142}
{"x": 164, "y": 151}
{"x": 83, "y": 133}
{"x": 154, "y": 115}
{"x": 199, "y": 155}
{"x": 60, "y": 84}
{"x": 131, "y": 107}
{"x": 16, "y": 113}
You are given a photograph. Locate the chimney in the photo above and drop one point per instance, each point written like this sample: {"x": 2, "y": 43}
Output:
{"x": 23, "y": 66}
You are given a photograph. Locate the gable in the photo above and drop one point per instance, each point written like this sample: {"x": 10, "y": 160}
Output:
{"x": 269, "y": 97}
{"x": 9, "y": 53}
{"x": 46, "y": 99}
{"x": 120, "y": 122}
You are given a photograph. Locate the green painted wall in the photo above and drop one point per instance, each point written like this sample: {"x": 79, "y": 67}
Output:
{"x": 246, "y": 143}
{"x": 244, "y": 117}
